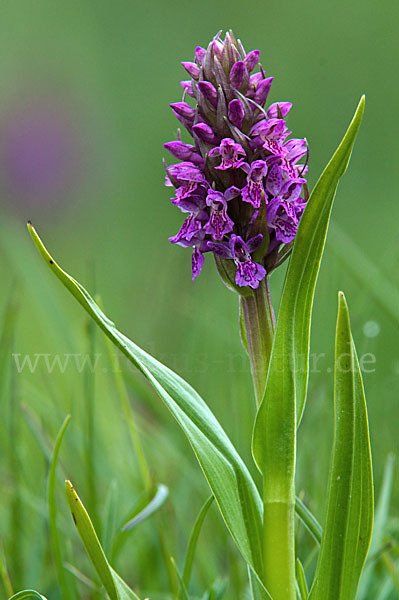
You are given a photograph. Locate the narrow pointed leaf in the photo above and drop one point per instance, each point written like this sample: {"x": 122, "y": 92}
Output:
{"x": 188, "y": 563}
{"x": 301, "y": 580}
{"x": 52, "y": 510}
{"x": 349, "y": 518}
{"x": 114, "y": 585}
{"x": 156, "y": 502}
{"x": 227, "y": 475}
{"x": 309, "y": 520}
{"x": 289, "y": 364}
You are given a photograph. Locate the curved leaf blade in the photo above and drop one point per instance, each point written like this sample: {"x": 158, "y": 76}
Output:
{"x": 287, "y": 378}
{"x": 349, "y": 518}
{"x": 309, "y": 520}
{"x": 114, "y": 585}
{"x": 156, "y": 502}
{"x": 27, "y": 594}
{"x": 189, "y": 560}
{"x": 228, "y": 477}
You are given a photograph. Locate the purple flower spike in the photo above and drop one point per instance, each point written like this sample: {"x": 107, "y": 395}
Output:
{"x": 236, "y": 112}
{"x": 237, "y": 74}
{"x": 241, "y": 174}
{"x": 252, "y": 192}
{"x": 251, "y": 60}
{"x": 229, "y": 151}
{"x": 219, "y": 222}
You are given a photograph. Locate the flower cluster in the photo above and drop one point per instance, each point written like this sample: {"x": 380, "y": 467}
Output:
{"x": 239, "y": 184}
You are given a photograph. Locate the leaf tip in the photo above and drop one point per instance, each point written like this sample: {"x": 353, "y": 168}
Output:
{"x": 70, "y": 490}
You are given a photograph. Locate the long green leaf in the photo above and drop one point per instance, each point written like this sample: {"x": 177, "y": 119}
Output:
{"x": 349, "y": 518}
{"x": 289, "y": 364}
{"x": 114, "y": 585}
{"x": 274, "y": 436}
{"x": 228, "y": 477}
{"x": 52, "y": 510}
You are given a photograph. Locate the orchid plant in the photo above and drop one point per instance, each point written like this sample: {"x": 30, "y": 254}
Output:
{"x": 242, "y": 187}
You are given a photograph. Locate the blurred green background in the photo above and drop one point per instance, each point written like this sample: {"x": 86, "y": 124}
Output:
{"x": 83, "y": 116}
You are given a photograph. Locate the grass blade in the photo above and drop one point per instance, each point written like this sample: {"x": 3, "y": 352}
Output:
{"x": 4, "y": 573}
{"x": 229, "y": 479}
{"x": 114, "y": 585}
{"x": 301, "y": 580}
{"x": 309, "y": 520}
{"x": 157, "y": 501}
{"x": 52, "y": 511}
{"x": 188, "y": 563}
{"x": 348, "y": 525}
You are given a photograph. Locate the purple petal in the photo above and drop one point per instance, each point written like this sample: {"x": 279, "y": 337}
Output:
{"x": 188, "y": 87}
{"x": 205, "y": 133}
{"x": 192, "y": 69}
{"x": 249, "y": 273}
{"x": 237, "y": 74}
{"x": 183, "y": 110}
{"x": 273, "y": 110}
{"x": 236, "y": 112}
{"x": 197, "y": 260}
{"x": 254, "y": 243}
{"x": 285, "y": 230}
{"x": 200, "y": 54}
{"x": 232, "y": 192}
{"x": 221, "y": 250}
{"x": 184, "y": 151}
{"x": 296, "y": 149}
{"x": 262, "y": 91}
{"x": 209, "y": 92}
{"x": 251, "y": 60}
{"x": 186, "y": 171}
{"x": 274, "y": 180}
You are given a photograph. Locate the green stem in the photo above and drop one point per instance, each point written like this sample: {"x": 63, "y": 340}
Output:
{"x": 258, "y": 316}
{"x": 279, "y": 549}
{"x": 257, "y": 321}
